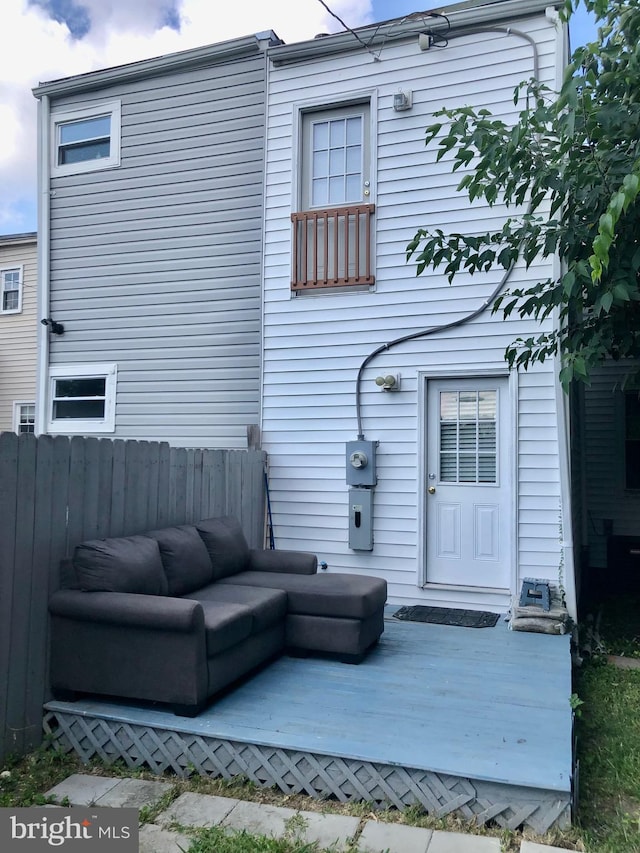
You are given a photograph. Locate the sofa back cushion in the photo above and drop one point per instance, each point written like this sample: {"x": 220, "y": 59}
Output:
{"x": 184, "y": 557}
{"x": 125, "y": 564}
{"x": 226, "y": 545}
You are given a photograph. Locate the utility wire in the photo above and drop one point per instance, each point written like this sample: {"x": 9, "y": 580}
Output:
{"x": 347, "y": 27}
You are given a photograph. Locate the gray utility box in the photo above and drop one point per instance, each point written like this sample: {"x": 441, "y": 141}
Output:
{"x": 361, "y": 463}
{"x": 361, "y": 519}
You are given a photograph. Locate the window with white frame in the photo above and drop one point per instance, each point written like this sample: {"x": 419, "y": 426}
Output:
{"x": 82, "y": 398}
{"x": 333, "y": 226}
{"x": 24, "y": 417}
{"x": 85, "y": 140}
{"x": 11, "y": 290}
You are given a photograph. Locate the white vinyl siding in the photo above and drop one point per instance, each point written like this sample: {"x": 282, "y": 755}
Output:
{"x": 18, "y": 330}
{"x": 156, "y": 265}
{"x": 314, "y": 347}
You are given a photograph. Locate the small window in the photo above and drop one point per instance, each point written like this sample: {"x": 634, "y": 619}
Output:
{"x": 632, "y": 439}
{"x": 24, "y": 417}
{"x": 11, "y": 291}
{"x": 86, "y": 140}
{"x": 82, "y": 398}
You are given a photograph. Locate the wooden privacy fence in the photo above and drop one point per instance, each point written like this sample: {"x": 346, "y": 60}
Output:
{"x": 56, "y": 492}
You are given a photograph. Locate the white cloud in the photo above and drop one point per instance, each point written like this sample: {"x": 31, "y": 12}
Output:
{"x": 38, "y": 49}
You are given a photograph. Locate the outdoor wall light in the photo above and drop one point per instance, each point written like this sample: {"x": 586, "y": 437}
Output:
{"x": 389, "y": 382}
{"x": 56, "y": 328}
{"x": 402, "y": 101}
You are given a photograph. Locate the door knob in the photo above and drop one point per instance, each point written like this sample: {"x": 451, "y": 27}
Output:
{"x": 432, "y": 490}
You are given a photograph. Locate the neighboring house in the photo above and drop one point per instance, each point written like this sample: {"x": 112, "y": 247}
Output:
{"x": 470, "y": 490}
{"x": 150, "y": 247}
{"x": 18, "y": 331}
{"x": 607, "y": 481}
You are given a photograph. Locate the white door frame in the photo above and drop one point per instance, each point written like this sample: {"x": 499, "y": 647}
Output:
{"x": 424, "y": 376}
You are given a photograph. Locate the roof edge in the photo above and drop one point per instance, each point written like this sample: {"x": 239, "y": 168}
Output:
{"x": 194, "y": 57}
{"x": 376, "y": 35}
{"x": 26, "y": 237}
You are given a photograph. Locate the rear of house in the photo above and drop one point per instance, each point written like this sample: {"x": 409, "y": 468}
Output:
{"x": 18, "y": 331}
{"x": 151, "y": 176}
{"x": 428, "y": 463}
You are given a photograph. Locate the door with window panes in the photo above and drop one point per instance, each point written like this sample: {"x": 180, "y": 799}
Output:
{"x": 468, "y": 492}
{"x": 332, "y": 229}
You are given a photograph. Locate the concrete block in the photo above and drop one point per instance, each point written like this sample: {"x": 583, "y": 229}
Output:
{"x": 134, "y": 793}
{"x": 327, "y": 829}
{"x": 259, "y": 819}
{"x": 153, "y": 839}
{"x": 394, "y": 837}
{"x": 197, "y": 810}
{"x": 81, "y": 789}
{"x": 457, "y": 842}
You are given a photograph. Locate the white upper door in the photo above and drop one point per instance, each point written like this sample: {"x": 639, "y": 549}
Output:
{"x": 470, "y": 517}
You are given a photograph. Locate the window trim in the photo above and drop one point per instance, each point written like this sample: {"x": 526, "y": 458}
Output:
{"x": 84, "y": 426}
{"x": 19, "y": 268}
{"x": 17, "y": 406}
{"x": 67, "y": 116}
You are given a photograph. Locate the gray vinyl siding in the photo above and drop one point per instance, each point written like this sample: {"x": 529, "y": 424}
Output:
{"x": 155, "y": 265}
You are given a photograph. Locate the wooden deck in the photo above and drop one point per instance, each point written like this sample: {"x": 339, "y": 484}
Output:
{"x": 474, "y": 721}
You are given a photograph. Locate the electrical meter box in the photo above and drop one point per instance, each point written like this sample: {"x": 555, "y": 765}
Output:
{"x": 361, "y": 463}
{"x": 361, "y": 519}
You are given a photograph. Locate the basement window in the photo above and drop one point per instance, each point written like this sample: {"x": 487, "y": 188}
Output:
{"x": 82, "y": 398}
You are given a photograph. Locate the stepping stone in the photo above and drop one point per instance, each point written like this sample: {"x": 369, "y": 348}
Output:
{"x": 156, "y": 840}
{"x": 197, "y": 810}
{"x": 81, "y": 789}
{"x": 394, "y": 837}
{"x": 134, "y": 793}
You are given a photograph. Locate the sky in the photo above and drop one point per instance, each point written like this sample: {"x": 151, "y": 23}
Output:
{"x": 44, "y": 40}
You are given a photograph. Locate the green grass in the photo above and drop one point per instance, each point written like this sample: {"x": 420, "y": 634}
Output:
{"x": 620, "y": 625}
{"x": 216, "y": 840}
{"x": 608, "y": 729}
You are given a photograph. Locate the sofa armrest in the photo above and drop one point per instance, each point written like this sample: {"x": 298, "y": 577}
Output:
{"x": 290, "y": 562}
{"x": 131, "y": 609}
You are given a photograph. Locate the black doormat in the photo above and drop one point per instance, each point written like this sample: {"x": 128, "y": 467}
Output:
{"x": 448, "y": 616}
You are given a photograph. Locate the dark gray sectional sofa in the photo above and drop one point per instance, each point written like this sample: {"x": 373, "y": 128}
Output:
{"x": 178, "y": 614}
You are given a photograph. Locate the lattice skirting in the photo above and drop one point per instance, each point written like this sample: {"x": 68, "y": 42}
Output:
{"x": 320, "y": 776}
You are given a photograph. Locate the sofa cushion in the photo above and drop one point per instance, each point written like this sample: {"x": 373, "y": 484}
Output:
{"x": 125, "y": 564}
{"x": 335, "y": 594}
{"x": 184, "y": 557}
{"x": 268, "y": 606}
{"x": 225, "y": 625}
{"x": 226, "y": 545}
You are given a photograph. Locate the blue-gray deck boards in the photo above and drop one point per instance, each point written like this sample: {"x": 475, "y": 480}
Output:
{"x": 488, "y": 704}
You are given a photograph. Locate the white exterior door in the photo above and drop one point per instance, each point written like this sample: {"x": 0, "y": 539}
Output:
{"x": 470, "y": 516}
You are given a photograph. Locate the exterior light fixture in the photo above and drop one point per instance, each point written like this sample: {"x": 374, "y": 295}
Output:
{"x": 389, "y": 382}
{"x": 402, "y": 101}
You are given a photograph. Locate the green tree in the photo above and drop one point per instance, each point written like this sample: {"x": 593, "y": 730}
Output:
{"x": 572, "y": 161}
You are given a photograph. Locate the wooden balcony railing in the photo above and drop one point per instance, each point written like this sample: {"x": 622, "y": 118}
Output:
{"x": 332, "y": 248}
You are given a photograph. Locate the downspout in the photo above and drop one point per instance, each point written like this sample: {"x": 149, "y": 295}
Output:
{"x": 567, "y": 550}
{"x": 44, "y": 239}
